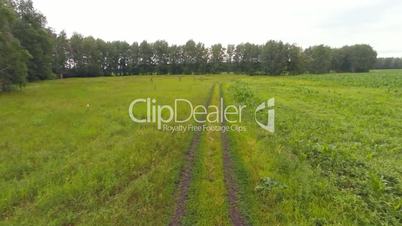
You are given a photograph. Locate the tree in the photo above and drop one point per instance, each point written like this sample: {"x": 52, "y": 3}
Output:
{"x": 60, "y": 53}
{"x": 123, "y": 57}
{"x": 247, "y": 58}
{"x": 134, "y": 56}
{"x": 161, "y": 56}
{"x": 176, "y": 59}
{"x": 318, "y": 59}
{"x": 340, "y": 60}
{"x": 91, "y": 57}
{"x": 76, "y": 54}
{"x": 274, "y": 58}
{"x": 189, "y": 57}
{"x": 356, "y": 58}
{"x": 86, "y": 56}
{"x": 13, "y": 58}
{"x": 362, "y": 58}
{"x": 217, "y": 57}
{"x": 102, "y": 48}
{"x": 296, "y": 60}
{"x": 230, "y": 50}
{"x": 201, "y": 59}
{"x": 30, "y": 30}
{"x": 146, "y": 58}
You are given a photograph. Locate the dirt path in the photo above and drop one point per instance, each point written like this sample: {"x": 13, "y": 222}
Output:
{"x": 231, "y": 185}
{"x": 187, "y": 173}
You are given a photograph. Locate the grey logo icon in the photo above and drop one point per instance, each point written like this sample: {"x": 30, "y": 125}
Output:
{"x": 269, "y": 106}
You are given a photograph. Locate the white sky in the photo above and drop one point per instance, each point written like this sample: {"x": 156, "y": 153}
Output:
{"x": 309, "y": 22}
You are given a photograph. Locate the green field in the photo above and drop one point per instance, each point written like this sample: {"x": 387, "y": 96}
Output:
{"x": 70, "y": 155}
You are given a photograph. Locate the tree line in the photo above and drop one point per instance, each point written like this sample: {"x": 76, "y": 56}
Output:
{"x": 87, "y": 56}
{"x": 388, "y": 63}
{"x": 31, "y": 51}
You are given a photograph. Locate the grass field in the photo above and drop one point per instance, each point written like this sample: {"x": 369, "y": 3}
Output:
{"x": 70, "y": 155}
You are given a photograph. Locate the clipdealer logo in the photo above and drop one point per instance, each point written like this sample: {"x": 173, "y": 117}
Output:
{"x": 162, "y": 115}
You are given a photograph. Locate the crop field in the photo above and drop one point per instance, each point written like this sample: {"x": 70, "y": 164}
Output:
{"x": 71, "y": 155}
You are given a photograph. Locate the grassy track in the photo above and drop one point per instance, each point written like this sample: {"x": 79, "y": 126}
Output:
{"x": 207, "y": 202}
{"x": 187, "y": 171}
{"x": 231, "y": 178}
{"x": 69, "y": 153}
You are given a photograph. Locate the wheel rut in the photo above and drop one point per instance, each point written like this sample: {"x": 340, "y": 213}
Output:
{"x": 187, "y": 172}
{"x": 229, "y": 176}
{"x": 230, "y": 180}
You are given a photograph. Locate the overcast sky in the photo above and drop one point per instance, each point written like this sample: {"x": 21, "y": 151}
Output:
{"x": 309, "y": 22}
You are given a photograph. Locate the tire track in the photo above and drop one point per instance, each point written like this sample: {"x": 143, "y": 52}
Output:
{"x": 230, "y": 179}
{"x": 187, "y": 173}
